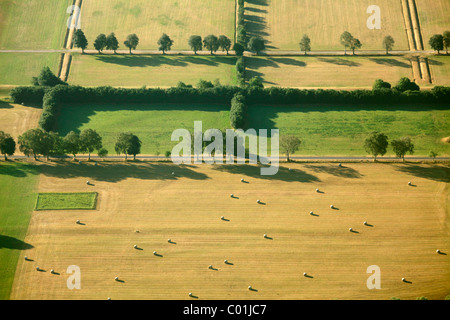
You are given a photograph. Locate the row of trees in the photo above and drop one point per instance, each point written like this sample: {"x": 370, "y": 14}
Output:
{"x": 377, "y": 143}
{"x": 109, "y": 42}
{"x": 348, "y": 41}
{"x": 36, "y": 142}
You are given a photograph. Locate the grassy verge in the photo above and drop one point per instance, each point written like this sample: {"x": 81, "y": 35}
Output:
{"x": 18, "y": 184}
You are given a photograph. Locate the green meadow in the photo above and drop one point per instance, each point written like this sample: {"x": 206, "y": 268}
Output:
{"x": 18, "y": 183}
{"x": 324, "y": 130}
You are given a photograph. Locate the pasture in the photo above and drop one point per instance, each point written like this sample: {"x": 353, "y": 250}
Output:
{"x": 178, "y": 18}
{"x": 148, "y": 70}
{"x": 18, "y": 68}
{"x": 324, "y": 130}
{"x": 405, "y": 226}
{"x": 282, "y": 23}
{"x": 18, "y": 184}
{"x": 28, "y": 24}
{"x": 328, "y": 71}
{"x": 153, "y": 124}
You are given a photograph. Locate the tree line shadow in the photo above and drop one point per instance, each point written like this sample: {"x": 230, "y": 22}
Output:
{"x": 342, "y": 172}
{"x": 440, "y": 173}
{"x": 118, "y": 171}
{"x": 142, "y": 61}
{"x": 254, "y": 171}
{"x": 19, "y": 170}
{"x": 7, "y": 242}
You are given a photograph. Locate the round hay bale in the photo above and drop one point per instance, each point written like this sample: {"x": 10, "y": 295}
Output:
{"x": 317, "y": 190}
{"x": 87, "y": 182}
{"x": 311, "y": 213}
{"x": 258, "y": 201}
{"x": 438, "y": 251}
{"x": 108, "y": 299}
{"x": 231, "y": 195}
{"x": 331, "y": 206}
{"x": 340, "y": 164}
{"x": 403, "y": 279}
{"x": 78, "y": 221}
{"x": 265, "y": 235}
{"x": 365, "y": 223}
{"x": 137, "y": 231}
{"x": 135, "y": 246}
{"x": 154, "y": 252}
{"x": 116, "y": 278}
{"x": 242, "y": 180}
{"x": 210, "y": 267}
{"x": 37, "y": 269}
{"x": 222, "y": 217}
{"x": 169, "y": 240}
{"x": 26, "y": 258}
{"x": 305, "y": 274}
{"x": 225, "y": 261}
{"x": 190, "y": 294}
{"x": 409, "y": 183}
{"x": 250, "y": 288}
{"x": 350, "y": 229}
{"x": 52, "y": 271}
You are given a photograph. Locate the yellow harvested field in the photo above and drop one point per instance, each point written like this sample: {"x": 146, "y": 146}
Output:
{"x": 149, "y": 20}
{"x": 283, "y": 23}
{"x": 406, "y": 225}
{"x": 434, "y": 18}
{"x": 331, "y": 72}
{"x": 15, "y": 119}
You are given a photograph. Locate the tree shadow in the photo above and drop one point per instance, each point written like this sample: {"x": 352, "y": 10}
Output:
{"x": 340, "y": 62}
{"x": 258, "y": 2}
{"x": 289, "y": 61}
{"x": 141, "y": 61}
{"x": 115, "y": 172}
{"x": 435, "y": 62}
{"x": 254, "y": 171}
{"x": 391, "y": 62}
{"x": 255, "y": 25}
{"x": 256, "y": 10}
{"x": 19, "y": 170}
{"x": 343, "y": 172}
{"x": 440, "y": 173}
{"x": 7, "y": 242}
{"x": 5, "y": 105}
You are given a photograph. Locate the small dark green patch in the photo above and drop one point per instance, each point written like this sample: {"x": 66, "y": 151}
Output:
{"x": 67, "y": 201}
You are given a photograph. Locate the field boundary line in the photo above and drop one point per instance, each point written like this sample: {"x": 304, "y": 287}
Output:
{"x": 67, "y": 58}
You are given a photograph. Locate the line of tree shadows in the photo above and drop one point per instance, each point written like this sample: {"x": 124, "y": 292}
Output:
{"x": 438, "y": 172}
{"x": 7, "y": 242}
{"x": 142, "y": 61}
{"x": 343, "y": 172}
{"x": 254, "y": 171}
{"x": 118, "y": 171}
{"x": 390, "y": 62}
